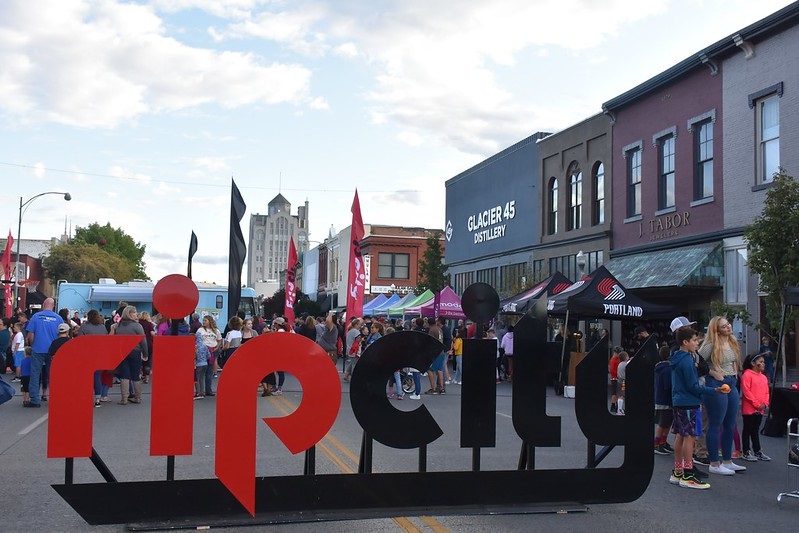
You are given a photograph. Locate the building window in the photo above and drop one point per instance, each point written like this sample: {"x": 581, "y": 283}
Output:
{"x": 735, "y": 276}
{"x": 633, "y": 181}
{"x": 463, "y": 280}
{"x": 512, "y": 279}
{"x": 598, "y": 208}
{"x": 575, "y": 197}
{"x": 552, "y": 222}
{"x": 666, "y": 185}
{"x": 703, "y": 153}
{"x": 487, "y": 275}
{"x": 538, "y": 270}
{"x": 567, "y": 264}
{"x": 768, "y": 137}
{"x": 395, "y": 266}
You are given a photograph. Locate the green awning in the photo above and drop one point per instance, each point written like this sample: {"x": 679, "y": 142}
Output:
{"x": 697, "y": 265}
{"x": 419, "y": 300}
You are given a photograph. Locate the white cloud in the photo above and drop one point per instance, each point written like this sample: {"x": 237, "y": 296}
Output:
{"x": 39, "y": 170}
{"x": 212, "y": 165}
{"x": 349, "y": 50}
{"x": 221, "y": 8}
{"x": 126, "y": 176}
{"x": 319, "y": 103}
{"x": 99, "y": 64}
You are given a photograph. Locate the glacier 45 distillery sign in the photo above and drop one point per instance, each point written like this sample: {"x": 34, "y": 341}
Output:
{"x": 490, "y": 224}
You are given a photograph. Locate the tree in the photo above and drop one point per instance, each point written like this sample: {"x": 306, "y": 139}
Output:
{"x": 773, "y": 243}
{"x": 84, "y": 263}
{"x": 432, "y": 273}
{"x": 277, "y": 304}
{"x": 115, "y": 242}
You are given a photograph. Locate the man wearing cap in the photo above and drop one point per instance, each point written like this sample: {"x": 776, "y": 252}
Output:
{"x": 42, "y": 330}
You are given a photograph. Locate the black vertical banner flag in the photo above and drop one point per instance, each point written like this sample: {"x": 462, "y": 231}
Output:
{"x": 192, "y": 251}
{"x": 238, "y": 250}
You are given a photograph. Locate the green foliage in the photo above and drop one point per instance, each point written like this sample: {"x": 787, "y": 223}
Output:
{"x": 732, "y": 312}
{"x": 115, "y": 242}
{"x": 85, "y": 263}
{"x": 307, "y": 305}
{"x": 277, "y": 302}
{"x": 773, "y": 243}
{"x": 432, "y": 273}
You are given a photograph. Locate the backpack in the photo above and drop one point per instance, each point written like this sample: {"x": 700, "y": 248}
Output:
{"x": 356, "y": 346}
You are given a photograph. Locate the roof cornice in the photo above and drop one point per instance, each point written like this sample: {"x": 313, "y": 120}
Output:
{"x": 760, "y": 30}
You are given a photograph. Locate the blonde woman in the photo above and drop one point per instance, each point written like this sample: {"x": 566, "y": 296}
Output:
{"x": 212, "y": 339}
{"x": 723, "y": 355}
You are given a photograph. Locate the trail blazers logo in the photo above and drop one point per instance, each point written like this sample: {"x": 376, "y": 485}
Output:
{"x": 609, "y": 288}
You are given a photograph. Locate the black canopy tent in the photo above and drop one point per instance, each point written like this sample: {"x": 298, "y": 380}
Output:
{"x": 522, "y": 302}
{"x": 601, "y": 295}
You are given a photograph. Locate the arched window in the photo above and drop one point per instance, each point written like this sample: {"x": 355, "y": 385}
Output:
{"x": 598, "y": 207}
{"x": 552, "y": 219}
{"x": 575, "y": 197}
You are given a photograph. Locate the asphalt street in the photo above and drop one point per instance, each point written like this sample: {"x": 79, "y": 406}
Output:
{"x": 744, "y": 502}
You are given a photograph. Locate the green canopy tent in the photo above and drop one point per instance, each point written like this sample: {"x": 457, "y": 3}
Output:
{"x": 422, "y": 299}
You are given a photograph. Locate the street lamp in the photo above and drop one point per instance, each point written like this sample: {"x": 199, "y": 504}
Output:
{"x": 23, "y": 206}
{"x": 581, "y": 260}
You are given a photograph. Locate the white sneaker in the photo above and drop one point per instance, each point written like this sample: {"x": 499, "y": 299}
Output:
{"x": 734, "y": 467}
{"x": 415, "y": 397}
{"x": 749, "y": 456}
{"x": 721, "y": 470}
{"x": 760, "y": 456}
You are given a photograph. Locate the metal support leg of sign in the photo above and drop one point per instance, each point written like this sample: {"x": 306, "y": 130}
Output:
{"x": 526, "y": 457}
{"x": 309, "y": 469}
{"x": 170, "y": 467}
{"x": 101, "y": 467}
{"x": 69, "y": 464}
{"x": 423, "y": 458}
{"x": 365, "y": 461}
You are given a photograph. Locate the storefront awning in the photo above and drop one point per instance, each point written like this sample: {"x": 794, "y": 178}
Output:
{"x": 698, "y": 265}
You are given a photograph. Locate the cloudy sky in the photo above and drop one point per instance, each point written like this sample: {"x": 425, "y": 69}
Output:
{"x": 144, "y": 110}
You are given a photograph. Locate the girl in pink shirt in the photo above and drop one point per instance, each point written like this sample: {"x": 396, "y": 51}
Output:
{"x": 754, "y": 401}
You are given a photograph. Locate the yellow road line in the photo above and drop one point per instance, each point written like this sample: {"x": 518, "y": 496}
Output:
{"x": 404, "y": 523}
{"x": 433, "y": 524}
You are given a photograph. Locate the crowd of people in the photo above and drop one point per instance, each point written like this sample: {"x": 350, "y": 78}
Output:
{"x": 708, "y": 395}
{"x": 31, "y": 341}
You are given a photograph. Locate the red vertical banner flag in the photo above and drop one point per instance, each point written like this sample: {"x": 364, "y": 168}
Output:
{"x": 7, "y": 296}
{"x": 357, "y": 277}
{"x": 291, "y": 285}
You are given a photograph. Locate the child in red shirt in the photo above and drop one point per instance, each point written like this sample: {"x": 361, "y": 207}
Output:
{"x": 754, "y": 401}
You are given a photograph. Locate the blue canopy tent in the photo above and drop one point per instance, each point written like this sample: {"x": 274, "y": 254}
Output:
{"x": 379, "y": 300}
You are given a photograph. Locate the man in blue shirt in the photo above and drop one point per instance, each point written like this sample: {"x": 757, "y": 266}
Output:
{"x": 42, "y": 330}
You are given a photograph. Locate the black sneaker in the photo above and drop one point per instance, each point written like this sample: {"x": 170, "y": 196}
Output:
{"x": 660, "y": 450}
{"x": 694, "y": 471}
{"x": 704, "y": 461}
{"x": 442, "y": 390}
{"x": 668, "y": 447}
{"x": 32, "y": 405}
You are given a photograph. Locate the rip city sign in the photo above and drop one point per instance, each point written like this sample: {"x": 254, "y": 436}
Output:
{"x": 237, "y": 494}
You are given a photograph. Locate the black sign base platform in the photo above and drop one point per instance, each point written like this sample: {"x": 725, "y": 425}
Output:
{"x": 350, "y": 514}
{"x": 340, "y": 495}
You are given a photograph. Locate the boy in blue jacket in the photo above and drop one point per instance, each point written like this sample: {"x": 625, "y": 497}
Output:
{"x": 686, "y": 396}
